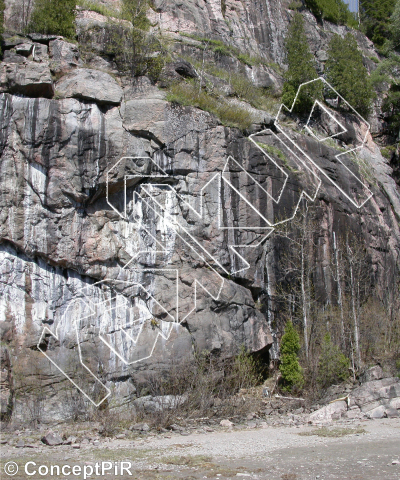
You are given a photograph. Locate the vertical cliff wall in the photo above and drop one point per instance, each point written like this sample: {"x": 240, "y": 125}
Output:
{"x": 136, "y": 232}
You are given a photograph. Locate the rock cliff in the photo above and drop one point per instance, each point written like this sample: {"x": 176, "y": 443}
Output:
{"x": 136, "y": 232}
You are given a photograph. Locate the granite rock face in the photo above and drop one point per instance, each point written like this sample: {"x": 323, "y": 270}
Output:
{"x": 135, "y": 232}
{"x": 93, "y": 85}
{"x": 115, "y": 215}
{"x": 28, "y": 78}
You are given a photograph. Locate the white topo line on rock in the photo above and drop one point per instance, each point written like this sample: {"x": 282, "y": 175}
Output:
{"x": 88, "y": 302}
{"x": 179, "y": 229}
{"x": 344, "y": 130}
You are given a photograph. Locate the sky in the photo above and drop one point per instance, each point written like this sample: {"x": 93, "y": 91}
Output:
{"x": 353, "y": 5}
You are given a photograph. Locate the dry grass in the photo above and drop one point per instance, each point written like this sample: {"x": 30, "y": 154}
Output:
{"x": 190, "y": 461}
{"x": 241, "y": 86}
{"x": 334, "y": 432}
{"x": 191, "y": 94}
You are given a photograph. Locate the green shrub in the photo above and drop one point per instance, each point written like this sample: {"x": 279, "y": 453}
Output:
{"x": 291, "y": 371}
{"x": 135, "y": 51}
{"x": 301, "y": 69}
{"x": 346, "y": 73}
{"x": 388, "y": 151}
{"x": 135, "y": 11}
{"x": 245, "y": 371}
{"x": 248, "y": 59}
{"x": 333, "y": 366}
{"x": 55, "y": 17}
{"x": 387, "y": 73}
{"x": 295, "y": 5}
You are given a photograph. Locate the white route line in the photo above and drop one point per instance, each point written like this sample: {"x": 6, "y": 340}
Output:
{"x": 303, "y": 194}
{"x": 177, "y": 227}
{"x": 89, "y": 303}
{"x": 357, "y": 205}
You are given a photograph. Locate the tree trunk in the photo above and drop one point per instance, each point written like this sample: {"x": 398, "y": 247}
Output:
{"x": 339, "y": 289}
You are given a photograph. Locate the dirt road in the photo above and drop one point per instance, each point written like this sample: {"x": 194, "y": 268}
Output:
{"x": 270, "y": 453}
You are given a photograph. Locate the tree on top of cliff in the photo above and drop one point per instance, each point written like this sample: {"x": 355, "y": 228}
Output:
{"x": 395, "y": 27}
{"x": 375, "y": 15}
{"x": 55, "y": 17}
{"x": 301, "y": 68}
{"x": 335, "y": 11}
{"x": 345, "y": 71}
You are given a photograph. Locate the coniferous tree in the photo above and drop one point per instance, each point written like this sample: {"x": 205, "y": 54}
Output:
{"x": 335, "y": 11}
{"x": 301, "y": 68}
{"x": 387, "y": 73}
{"x": 395, "y": 27}
{"x": 375, "y": 15}
{"x": 346, "y": 73}
{"x": 56, "y": 17}
{"x": 291, "y": 371}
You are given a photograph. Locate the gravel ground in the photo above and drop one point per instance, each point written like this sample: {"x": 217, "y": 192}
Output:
{"x": 273, "y": 453}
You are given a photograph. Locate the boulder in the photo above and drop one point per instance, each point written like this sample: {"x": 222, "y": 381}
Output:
{"x": 88, "y": 84}
{"x": 373, "y": 373}
{"x": 226, "y": 423}
{"x": 378, "y": 412}
{"x": 353, "y": 412}
{"x": 330, "y": 412}
{"x": 392, "y": 412}
{"x": 11, "y": 57}
{"x": 185, "y": 69}
{"x": 375, "y": 390}
{"x": 322, "y": 56}
{"x": 170, "y": 401}
{"x": 152, "y": 404}
{"x": 140, "y": 427}
{"x": 147, "y": 404}
{"x": 52, "y": 439}
{"x": 368, "y": 407}
{"x": 42, "y": 38}
{"x": 40, "y": 53}
{"x": 29, "y": 78}
{"x": 64, "y": 56}
{"x": 12, "y": 41}
{"x": 24, "y": 49}
{"x": 395, "y": 403}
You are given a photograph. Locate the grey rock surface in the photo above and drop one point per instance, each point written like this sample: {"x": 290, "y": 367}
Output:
{"x": 28, "y": 78}
{"x": 64, "y": 56}
{"x": 328, "y": 413}
{"x": 79, "y": 231}
{"x": 52, "y": 439}
{"x": 89, "y": 84}
{"x": 373, "y": 373}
